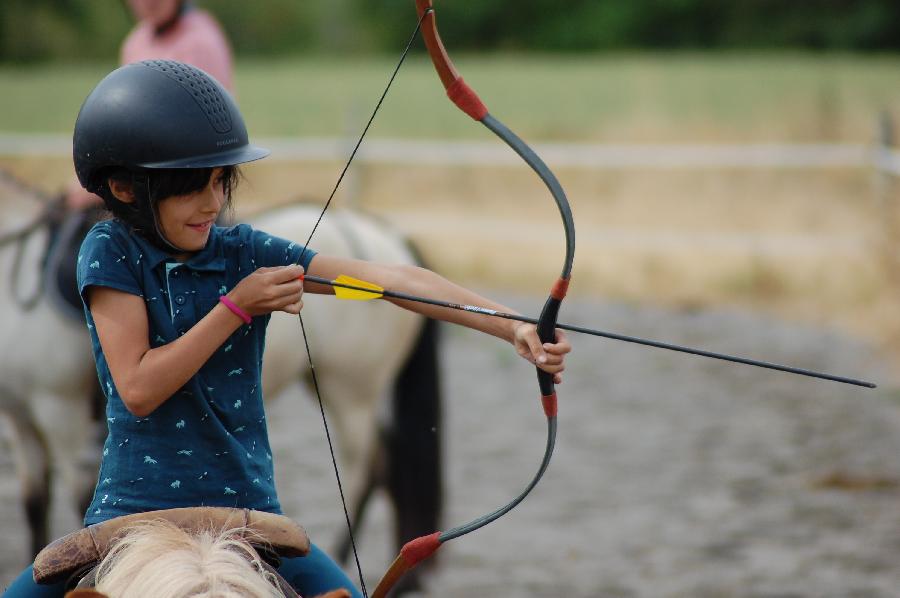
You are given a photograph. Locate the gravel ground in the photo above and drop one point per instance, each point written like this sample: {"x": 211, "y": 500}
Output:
{"x": 674, "y": 476}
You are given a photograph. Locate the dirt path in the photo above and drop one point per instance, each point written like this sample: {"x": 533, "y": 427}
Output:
{"x": 673, "y": 477}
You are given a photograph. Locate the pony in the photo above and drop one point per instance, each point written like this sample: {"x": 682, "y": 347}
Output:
{"x": 157, "y": 559}
{"x": 47, "y": 374}
{"x": 176, "y": 553}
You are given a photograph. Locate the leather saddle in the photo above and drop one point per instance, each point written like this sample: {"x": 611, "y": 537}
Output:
{"x": 59, "y": 277}
{"x": 75, "y": 556}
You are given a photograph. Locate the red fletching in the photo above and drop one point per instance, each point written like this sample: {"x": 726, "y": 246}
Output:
{"x": 468, "y": 101}
{"x": 420, "y": 548}
{"x": 549, "y": 402}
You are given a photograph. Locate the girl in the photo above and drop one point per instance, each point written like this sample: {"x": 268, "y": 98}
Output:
{"x": 177, "y": 308}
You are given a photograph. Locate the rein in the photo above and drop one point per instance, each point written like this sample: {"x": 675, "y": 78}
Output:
{"x": 24, "y": 232}
{"x": 51, "y": 213}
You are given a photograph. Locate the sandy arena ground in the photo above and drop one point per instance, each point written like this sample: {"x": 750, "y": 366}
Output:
{"x": 673, "y": 477}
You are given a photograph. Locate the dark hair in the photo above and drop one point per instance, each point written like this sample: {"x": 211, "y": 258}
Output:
{"x": 151, "y": 186}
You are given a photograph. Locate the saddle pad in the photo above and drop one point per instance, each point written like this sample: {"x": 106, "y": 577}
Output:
{"x": 73, "y": 552}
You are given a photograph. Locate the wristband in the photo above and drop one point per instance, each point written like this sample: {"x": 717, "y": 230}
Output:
{"x": 235, "y": 309}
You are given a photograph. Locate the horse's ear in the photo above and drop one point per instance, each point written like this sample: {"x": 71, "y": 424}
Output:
{"x": 85, "y": 593}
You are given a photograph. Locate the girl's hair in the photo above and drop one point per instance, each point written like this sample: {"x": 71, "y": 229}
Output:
{"x": 157, "y": 559}
{"x": 152, "y": 186}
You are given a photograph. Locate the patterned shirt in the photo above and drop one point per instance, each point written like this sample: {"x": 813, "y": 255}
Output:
{"x": 208, "y": 443}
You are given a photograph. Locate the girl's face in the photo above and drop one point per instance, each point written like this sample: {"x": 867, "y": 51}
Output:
{"x": 186, "y": 220}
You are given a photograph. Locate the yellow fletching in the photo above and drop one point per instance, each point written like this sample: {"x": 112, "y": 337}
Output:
{"x": 373, "y": 291}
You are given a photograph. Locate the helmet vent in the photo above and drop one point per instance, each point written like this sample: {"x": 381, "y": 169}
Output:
{"x": 201, "y": 87}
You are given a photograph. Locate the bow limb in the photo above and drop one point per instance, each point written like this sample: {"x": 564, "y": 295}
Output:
{"x": 468, "y": 101}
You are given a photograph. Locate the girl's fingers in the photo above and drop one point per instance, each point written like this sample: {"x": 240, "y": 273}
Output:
{"x": 535, "y": 348}
{"x": 293, "y": 288}
{"x": 287, "y": 274}
{"x": 561, "y": 346}
{"x": 293, "y": 308}
{"x": 553, "y": 360}
{"x": 552, "y": 369}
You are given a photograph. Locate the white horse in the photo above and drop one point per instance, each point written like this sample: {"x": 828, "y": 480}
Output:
{"x": 47, "y": 374}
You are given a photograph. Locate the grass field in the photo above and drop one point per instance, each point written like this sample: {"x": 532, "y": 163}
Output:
{"x": 623, "y": 99}
{"x": 815, "y": 245}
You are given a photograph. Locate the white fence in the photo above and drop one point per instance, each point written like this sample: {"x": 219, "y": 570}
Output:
{"x": 882, "y": 157}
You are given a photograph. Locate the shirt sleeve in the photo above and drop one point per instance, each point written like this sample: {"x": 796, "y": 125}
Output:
{"x": 103, "y": 261}
{"x": 270, "y": 250}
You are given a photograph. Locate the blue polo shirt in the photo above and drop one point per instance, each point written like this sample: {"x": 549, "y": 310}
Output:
{"x": 208, "y": 443}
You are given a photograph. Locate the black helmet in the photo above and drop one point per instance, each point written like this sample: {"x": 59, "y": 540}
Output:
{"x": 158, "y": 114}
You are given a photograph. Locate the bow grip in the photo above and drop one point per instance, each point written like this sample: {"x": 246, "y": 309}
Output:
{"x": 546, "y": 329}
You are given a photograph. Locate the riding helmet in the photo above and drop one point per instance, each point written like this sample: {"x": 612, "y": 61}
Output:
{"x": 158, "y": 114}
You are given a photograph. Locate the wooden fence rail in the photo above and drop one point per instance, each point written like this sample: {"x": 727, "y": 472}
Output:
{"x": 883, "y": 157}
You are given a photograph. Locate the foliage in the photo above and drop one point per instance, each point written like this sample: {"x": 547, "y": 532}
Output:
{"x": 33, "y": 30}
{"x": 670, "y": 97}
{"x": 631, "y": 24}
{"x": 53, "y": 29}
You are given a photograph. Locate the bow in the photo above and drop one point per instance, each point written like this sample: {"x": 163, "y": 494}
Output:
{"x": 463, "y": 96}
{"x": 468, "y": 101}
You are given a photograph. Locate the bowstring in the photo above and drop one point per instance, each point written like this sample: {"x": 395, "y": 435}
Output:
{"x": 312, "y": 367}
{"x": 359, "y": 141}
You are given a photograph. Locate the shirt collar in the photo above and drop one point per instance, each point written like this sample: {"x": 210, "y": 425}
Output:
{"x": 210, "y": 259}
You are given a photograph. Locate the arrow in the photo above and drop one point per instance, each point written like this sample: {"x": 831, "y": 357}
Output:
{"x": 347, "y": 287}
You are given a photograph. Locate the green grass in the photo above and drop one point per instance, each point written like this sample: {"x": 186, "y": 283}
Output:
{"x": 620, "y": 99}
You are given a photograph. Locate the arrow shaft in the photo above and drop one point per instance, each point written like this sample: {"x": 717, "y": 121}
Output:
{"x": 601, "y": 333}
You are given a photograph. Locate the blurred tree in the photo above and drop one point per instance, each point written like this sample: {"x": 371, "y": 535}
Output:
{"x": 87, "y": 29}
{"x": 268, "y": 26}
{"x": 630, "y": 24}
{"x": 51, "y": 29}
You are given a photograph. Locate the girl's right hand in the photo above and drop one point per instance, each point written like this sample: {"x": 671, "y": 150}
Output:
{"x": 270, "y": 289}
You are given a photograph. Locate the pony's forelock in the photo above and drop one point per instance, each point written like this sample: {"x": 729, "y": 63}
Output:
{"x": 156, "y": 559}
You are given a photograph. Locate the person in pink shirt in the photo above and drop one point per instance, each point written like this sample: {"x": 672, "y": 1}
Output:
{"x": 176, "y": 30}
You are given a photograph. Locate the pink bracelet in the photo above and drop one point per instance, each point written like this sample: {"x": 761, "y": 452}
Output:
{"x": 235, "y": 309}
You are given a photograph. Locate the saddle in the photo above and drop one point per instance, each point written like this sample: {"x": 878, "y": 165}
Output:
{"x": 73, "y": 557}
{"x": 63, "y": 244}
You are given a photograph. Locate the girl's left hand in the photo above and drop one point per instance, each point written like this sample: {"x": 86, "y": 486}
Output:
{"x": 549, "y": 357}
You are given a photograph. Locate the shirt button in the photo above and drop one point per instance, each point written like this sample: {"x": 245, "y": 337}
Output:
{"x": 181, "y": 331}
{"x": 179, "y": 299}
